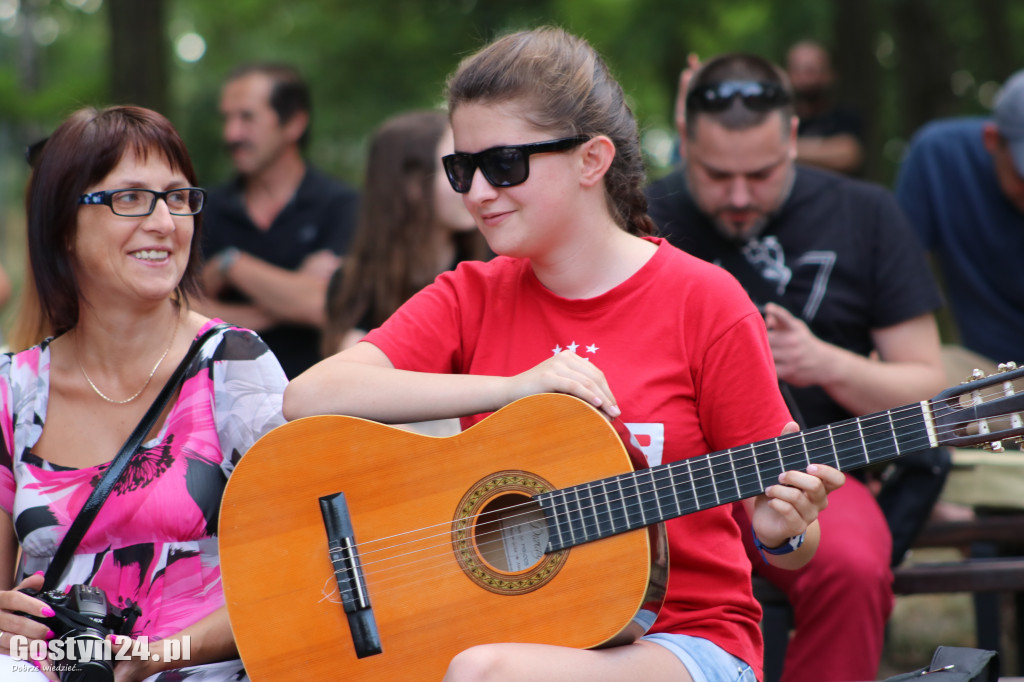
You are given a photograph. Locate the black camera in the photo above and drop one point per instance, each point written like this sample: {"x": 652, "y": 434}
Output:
{"x": 80, "y": 615}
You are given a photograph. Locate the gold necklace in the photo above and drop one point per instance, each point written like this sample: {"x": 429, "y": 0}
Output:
{"x": 137, "y": 393}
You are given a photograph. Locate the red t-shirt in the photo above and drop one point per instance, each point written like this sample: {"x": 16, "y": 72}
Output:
{"x": 687, "y": 358}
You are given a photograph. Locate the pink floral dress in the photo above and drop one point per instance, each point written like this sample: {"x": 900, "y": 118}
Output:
{"x": 154, "y": 541}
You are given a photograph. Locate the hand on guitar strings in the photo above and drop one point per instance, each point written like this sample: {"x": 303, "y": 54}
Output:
{"x": 791, "y": 507}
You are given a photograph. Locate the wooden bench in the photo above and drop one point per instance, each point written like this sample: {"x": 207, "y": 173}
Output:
{"x": 985, "y": 572}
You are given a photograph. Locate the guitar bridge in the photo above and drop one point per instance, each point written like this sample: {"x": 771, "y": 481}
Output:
{"x": 348, "y": 572}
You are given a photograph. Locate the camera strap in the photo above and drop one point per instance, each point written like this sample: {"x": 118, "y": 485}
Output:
{"x": 119, "y": 465}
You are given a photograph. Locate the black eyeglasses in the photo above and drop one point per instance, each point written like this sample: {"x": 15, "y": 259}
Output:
{"x": 501, "y": 166}
{"x": 755, "y": 95}
{"x": 135, "y": 203}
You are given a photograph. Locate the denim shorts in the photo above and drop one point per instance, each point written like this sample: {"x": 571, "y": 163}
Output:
{"x": 705, "y": 661}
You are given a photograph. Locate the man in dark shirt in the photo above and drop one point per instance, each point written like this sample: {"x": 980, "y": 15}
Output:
{"x": 274, "y": 235}
{"x": 829, "y": 136}
{"x": 848, "y": 300}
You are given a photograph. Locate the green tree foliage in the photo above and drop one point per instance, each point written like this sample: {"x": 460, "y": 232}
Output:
{"x": 902, "y": 61}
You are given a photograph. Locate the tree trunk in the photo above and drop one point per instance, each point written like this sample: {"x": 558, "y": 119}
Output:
{"x": 926, "y": 54}
{"x": 139, "y": 50}
{"x": 995, "y": 21}
{"x": 856, "y": 32}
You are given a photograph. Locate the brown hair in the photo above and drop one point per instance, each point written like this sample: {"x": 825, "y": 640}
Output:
{"x": 28, "y": 328}
{"x": 738, "y": 66}
{"x": 395, "y": 249}
{"x": 289, "y": 92}
{"x": 568, "y": 90}
{"x": 81, "y": 152}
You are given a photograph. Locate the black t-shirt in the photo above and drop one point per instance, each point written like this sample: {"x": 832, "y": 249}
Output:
{"x": 321, "y": 215}
{"x": 837, "y": 121}
{"x": 839, "y": 254}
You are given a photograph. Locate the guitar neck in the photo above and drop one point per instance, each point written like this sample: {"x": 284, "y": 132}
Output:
{"x": 606, "y": 507}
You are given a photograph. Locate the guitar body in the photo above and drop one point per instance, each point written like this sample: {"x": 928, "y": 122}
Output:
{"x": 439, "y": 577}
{"x": 351, "y": 550}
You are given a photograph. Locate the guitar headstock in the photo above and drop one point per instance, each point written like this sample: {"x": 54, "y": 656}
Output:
{"x": 985, "y": 411}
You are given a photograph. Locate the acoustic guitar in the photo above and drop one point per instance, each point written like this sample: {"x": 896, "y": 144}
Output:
{"x": 356, "y": 551}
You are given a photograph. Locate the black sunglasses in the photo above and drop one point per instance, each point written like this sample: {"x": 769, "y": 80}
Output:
{"x": 755, "y": 95}
{"x": 502, "y": 166}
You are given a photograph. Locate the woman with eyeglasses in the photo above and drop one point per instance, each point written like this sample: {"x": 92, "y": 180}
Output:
{"x": 583, "y": 300}
{"x": 113, "y": 236}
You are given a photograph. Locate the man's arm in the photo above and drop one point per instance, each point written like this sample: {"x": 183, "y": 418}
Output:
{"x": 908, "y": 368}
{"x": 842, "y": 153}
{"x": 277, "y": 294}
{"x": 242, "y": 314}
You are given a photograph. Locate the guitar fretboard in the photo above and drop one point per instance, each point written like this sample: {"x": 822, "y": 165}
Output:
{"x": 626, "y": 502}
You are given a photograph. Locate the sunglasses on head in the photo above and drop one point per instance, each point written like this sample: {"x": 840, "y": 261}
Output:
{"x": 502, "y": 166}
{"x": 755, "y": 95}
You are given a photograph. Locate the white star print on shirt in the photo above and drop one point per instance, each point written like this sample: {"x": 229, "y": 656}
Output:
{"x": 573, "y": 346}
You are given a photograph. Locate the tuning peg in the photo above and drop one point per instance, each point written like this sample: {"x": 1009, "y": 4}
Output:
{"x": 976, "y": 374}
{"x": 983, "y": 426}
{"x": 1016, "y": 421}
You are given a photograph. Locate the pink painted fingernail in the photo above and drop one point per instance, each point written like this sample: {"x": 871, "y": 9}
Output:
{"x": 48, "y": 612}
{"x": 49, "y": 635}
{"x": 38, "y": 573}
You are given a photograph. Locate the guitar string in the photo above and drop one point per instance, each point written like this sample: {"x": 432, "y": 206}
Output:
{"x": 797, "y": 441}
{"x": 384, "y": 580}
{"x": 381, "y": 578}
{"x": 376, "y": 570}
{"x": 706, "y": 463}
{"x": 853, "y": 458}
{"x": 379, "y": 582}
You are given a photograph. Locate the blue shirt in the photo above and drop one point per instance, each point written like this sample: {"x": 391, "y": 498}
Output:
{"x": 948, "y": 189}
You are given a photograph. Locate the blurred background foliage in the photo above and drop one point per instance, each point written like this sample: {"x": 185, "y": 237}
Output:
{"x": 901, "y": 62}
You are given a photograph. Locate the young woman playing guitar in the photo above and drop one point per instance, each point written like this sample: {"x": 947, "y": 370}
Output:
{"x": 583, "y": 300}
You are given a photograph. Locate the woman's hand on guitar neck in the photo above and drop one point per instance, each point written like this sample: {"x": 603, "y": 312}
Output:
{"x": 792, "y": 507}
{"x": 566, "y": 373}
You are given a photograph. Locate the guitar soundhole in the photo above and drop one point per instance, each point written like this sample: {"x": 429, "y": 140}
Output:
{"x": 499, "y": 534}
{"x": 511, "y": 534}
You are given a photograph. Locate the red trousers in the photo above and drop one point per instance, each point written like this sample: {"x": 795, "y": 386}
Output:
{"x": 843, "y": 597}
